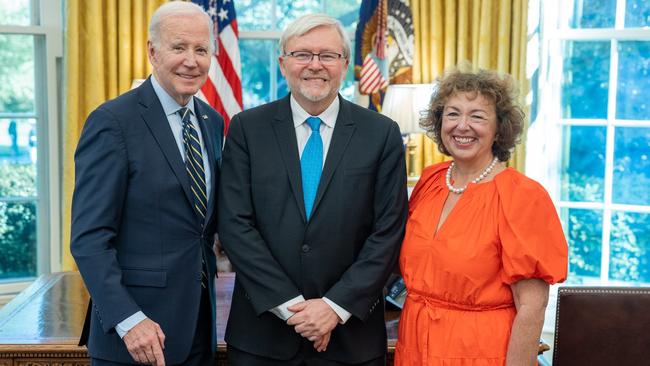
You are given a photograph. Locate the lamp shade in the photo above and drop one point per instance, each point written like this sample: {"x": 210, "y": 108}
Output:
{"x": 405, "y": 104}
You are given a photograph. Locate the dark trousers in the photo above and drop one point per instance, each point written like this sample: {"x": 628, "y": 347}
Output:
{"x": 305, "y": 357}
{"x": 200, "y": 353}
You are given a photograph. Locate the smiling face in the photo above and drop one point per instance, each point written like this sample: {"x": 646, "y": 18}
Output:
{"x": 469, "y": 125}
{"x": 314, "y": 85}
{"x": 181, "y": 60}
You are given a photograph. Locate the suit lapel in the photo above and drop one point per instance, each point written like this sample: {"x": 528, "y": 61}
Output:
{"x": 154, "y": 117}
{"x": 285, "y": 134}
{"x": 210, "y": 147}
{"x": 343, "y": 131}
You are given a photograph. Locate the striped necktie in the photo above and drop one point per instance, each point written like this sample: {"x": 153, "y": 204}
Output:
{"x": 311, "y": 165}
{"x": 194, "y": 167}
{"x": 194, "y": 164}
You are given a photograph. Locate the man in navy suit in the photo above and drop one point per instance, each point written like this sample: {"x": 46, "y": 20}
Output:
{"x": 312, "y": 208}
{"x": 143, "y": 211}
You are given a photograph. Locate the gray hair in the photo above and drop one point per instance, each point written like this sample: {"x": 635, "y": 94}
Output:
{"x": 306, "y": 23}
{"x": 176, "y": 8}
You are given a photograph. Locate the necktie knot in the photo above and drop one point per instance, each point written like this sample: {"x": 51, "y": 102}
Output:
{"x": 185, "y": 114}
{"x": 314, "y": 123}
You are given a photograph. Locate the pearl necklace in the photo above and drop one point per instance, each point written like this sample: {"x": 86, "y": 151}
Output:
{"x": 481, "y": 176}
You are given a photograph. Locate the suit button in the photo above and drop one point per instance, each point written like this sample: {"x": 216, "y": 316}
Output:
{"x": 306, "y": 248}
{"x": 198, "y": 276}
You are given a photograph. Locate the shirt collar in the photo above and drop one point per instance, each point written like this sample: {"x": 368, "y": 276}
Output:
{"x": 328, "y": 117}
{"x": 170, "y": 106}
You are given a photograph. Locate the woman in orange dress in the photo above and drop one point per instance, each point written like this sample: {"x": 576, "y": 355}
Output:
{"x": 483, "y": 242}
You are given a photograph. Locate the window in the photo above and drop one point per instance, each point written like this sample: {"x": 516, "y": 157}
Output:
{"x": 261, "y": 23}
{"x": 29, "y": 208}
{"x": 590, "y": 139}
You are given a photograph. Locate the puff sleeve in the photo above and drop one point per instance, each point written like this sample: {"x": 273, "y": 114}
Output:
{"x": 532, "y": 241}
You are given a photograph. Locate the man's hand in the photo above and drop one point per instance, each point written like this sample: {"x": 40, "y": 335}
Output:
{"x": 145, "y": 343}
{"x": 321, "y": 343}
{"x": 313, "y": 319}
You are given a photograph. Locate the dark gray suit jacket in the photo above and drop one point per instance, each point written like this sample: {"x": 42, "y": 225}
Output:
{"x": 345, "y": 252}
{"x": 135, "y": 237}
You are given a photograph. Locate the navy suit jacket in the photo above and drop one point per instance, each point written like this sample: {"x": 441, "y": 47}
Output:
{"x": 135, "y": 236}
{"x": 346, "y": 250}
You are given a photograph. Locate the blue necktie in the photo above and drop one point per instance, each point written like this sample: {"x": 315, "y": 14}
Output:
{"x": 194, "y": 164}
{"x": 311, "y": 164}
{"x": 196, "y": 173}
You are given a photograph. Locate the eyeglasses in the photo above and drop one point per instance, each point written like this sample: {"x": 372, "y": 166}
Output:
{"x": 305, "y": 57}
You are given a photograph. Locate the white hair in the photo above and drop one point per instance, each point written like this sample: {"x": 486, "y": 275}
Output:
{"x": 306, "y": 23}
{"x": 177, "y": 8}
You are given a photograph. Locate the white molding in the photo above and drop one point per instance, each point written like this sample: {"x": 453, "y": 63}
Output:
{"x": 54, "y": 52}
{"x": 602, "y": 206}
{"x": 24, "y": 29}
{"x": 261, "y": 34}
{"x": 603, "y": 122}
{"x": 10, "y": 289}
{"x": 628, "y": 34}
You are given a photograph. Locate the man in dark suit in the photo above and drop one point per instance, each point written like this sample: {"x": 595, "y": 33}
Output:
{"x": 143, "y": 211}
{"x": 312, "y": 209}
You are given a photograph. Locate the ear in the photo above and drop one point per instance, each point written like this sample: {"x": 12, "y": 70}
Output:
{"x": 151, "y": 53}
{"x": 282, "y": 66}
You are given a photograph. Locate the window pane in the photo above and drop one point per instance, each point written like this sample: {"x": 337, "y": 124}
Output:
{"x": 585, "y": 79}
{"x": 584, "y": 232}
{"x": 15, "y": 12}
{"x": 637, "y": 13}
{"x": 347, "y": 87}
{"x": 16, "y": 73}
{"x": 17, "y": 148}
{"x": 583, "y": 163}
{"x": 593, "y": 14}
{"x": 254, "y": 14}
{"x": 346, "y": 11}
{"x": 256, "y": 57}
{"x": 633, "y": 81}
{"x": 282, "y": 86}
{"x": 632, "y": 166}
{"x": 630, "y": 247}
{"x": 17, "y": 239}
{"x": 288, "y": 10}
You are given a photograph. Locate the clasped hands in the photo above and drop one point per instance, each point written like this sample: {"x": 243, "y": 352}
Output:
{"x": 314, "y": 319}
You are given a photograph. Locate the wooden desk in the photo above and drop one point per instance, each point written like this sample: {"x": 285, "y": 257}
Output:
{"x": 41, "y": 326}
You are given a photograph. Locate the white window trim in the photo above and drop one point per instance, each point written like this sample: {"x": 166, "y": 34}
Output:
{"x": 274, "y": 35}
{"x": 543, "y": 155}
{"x": 47, "y": 69}
{"x": 543, "y": 151}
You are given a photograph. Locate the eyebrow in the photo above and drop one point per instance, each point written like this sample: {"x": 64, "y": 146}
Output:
{"x": 472, "y": 111}
{"x": 185, "y": 43}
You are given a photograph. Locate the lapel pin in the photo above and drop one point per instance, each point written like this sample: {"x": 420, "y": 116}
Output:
{"x": 205, "y": 116}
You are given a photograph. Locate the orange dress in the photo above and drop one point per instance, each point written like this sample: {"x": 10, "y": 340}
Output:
{"x": 459, "y": 309}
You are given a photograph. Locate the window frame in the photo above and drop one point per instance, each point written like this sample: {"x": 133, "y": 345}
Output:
{"x": 274, "y": 35}
{"x": 48, "y": 55}
{"x": 543, "y": 161}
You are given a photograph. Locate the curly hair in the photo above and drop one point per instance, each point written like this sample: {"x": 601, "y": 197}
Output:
{"x": 497, "y": 88}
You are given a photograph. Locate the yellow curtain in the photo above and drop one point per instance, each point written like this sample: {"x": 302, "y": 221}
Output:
{"x": 491, "y": 34}
{"x": 105, "y": 50}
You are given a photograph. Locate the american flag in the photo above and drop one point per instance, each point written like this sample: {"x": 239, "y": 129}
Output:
{"x": 222, "y": 90}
